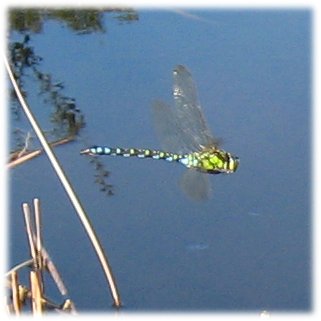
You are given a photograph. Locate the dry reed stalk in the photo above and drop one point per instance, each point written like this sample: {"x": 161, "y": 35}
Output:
{"x": 29, "y": 230}
{"x": 50, "y": 266}
{"x": 36, "y": 292}
{"x": 37, "y": 239}
{"x": 68, "y": 305}
{"x": 39, "y": 262}
{"x": 69, "y": 190}
{"x": 16, "y": 303}
{"x": 34, "y": 238}
{"x": 18, "y": 158}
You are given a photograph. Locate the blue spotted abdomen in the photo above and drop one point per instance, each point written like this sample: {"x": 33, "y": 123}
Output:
{"x": 132, "y": 152}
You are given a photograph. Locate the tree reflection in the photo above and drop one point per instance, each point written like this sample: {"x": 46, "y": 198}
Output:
{"x": 65, "y": 116}
{"x": 82, "y": 21}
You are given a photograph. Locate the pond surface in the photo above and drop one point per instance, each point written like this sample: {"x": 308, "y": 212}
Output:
{"x": 246, "y": 248}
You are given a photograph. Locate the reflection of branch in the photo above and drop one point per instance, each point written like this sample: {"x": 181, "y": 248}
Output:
{"x": 22, "y": 156}
{"x": 67, "y": 118}
{"x": 101, "y": 177}
{"x": 81, "y": 21}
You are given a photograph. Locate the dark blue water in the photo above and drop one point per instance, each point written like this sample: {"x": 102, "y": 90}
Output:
{"x": 248, "y": 247}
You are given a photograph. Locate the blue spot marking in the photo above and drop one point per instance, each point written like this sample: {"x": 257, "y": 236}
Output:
{"x": 184, "y": 161}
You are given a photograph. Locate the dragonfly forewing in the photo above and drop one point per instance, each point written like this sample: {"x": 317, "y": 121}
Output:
{"x": 188, "y": 110}
{"x": 171, "y": 135}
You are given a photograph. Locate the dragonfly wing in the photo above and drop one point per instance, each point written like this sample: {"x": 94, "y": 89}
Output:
{"x": 168, "y": 130}
{"x": 195, "y": 185}
{"x": 188, "y": 110}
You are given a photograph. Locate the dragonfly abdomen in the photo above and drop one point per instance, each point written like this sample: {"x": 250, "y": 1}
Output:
{"x": 133, "y": 152}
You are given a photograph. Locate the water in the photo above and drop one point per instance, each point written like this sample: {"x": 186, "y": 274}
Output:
{"x": 248, "y": 247}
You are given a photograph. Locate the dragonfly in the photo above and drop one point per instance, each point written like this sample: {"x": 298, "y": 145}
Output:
{"x": 185, "y": 138}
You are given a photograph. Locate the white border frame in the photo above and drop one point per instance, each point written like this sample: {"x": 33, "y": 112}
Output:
{"x": 315, "y": 123}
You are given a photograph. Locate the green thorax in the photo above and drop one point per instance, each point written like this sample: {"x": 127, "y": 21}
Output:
{"x": 211, "y": 160}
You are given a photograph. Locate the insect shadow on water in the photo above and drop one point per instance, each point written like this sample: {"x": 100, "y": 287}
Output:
{"x": 185, "y": 138}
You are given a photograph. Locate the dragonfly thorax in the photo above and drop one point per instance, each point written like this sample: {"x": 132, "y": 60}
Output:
{"x": 212, "y": 161}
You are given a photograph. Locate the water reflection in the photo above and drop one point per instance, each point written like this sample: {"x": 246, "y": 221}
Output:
{"x": 64, "y": 115}
{"x": 83, "y": 21}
